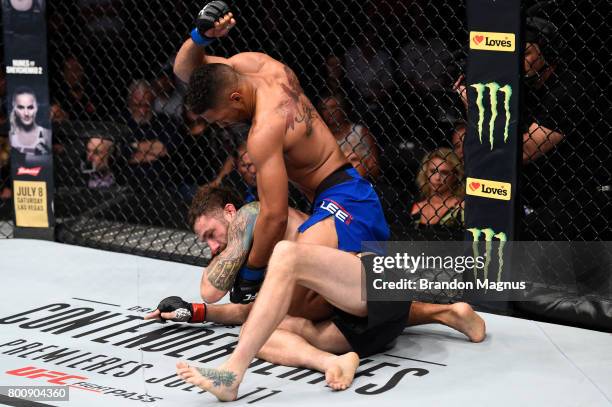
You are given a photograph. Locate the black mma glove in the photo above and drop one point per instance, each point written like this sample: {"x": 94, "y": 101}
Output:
{"x": 211, "y": 12}
{"x": 247, "y": 285}
{"x": 185, "y": 312}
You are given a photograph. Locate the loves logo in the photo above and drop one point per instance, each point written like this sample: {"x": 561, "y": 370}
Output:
{"x": 485, "y": 188}
{"x": 492, "y": 41}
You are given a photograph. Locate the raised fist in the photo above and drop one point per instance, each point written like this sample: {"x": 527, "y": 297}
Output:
{"x": 215, "y": 19}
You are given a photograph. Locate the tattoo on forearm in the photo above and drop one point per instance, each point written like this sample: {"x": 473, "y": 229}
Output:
{"x": 218, "y": 377}
{"x": 297, "y": 108}
{"x": 223, "y": 269}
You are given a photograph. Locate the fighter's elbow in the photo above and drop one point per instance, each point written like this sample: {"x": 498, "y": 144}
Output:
{"x": 210, "y": 294}
{"x": 181, "y": 74}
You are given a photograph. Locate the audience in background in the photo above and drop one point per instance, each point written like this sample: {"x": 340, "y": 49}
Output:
{"x": 99, "y": 155}
{"x": 102, "y": 18}
{"x": 72, "y": 100}
{"x": 440, "y": 182}
{"x": 204, "y": 154}
{"x": 151, "y": 143}
{"x": 168, "y": 98}
{"x": 354, "y": 140}
{"x": 369, "y": 71}
{"x": 248, "y": 175}
{"x": 334, "y": 74}
{"x": 457, "y": 138}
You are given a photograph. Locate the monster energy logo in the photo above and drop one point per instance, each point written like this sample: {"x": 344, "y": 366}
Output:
{"x": 489, "y": 236}
{"x": 493, "y": 88}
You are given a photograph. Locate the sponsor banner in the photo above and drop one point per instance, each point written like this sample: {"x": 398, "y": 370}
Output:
{"x": 491, "y": 41}
{"x": 493, "y": 143}
{"x": 488, "y": 189}
{"x": 25, "y": 57}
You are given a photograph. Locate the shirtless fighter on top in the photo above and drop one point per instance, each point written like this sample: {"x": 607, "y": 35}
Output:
{"x": 288, "y": 140}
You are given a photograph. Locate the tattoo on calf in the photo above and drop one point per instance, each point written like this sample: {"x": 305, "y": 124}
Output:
{"x": 218, "y": 377}
{"x": 296, "y": 108}
{"x": 223, "y": 268}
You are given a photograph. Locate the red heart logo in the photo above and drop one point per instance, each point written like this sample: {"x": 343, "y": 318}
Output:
{"x": 474, "y": 186}
{"x": 478, "y": 39}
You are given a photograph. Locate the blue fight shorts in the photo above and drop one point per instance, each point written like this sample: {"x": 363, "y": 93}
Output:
{"x": 355, "y": 206}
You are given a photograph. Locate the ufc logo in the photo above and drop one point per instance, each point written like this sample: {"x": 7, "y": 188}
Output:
{"x": 54, "y": 377}
{"x": 336, "y": 210}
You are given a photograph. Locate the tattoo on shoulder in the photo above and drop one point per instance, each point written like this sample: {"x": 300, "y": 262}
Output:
{"x": 218, "y": 377}
{"x": 222, "y": 269}
{"x": 296, "y": 107}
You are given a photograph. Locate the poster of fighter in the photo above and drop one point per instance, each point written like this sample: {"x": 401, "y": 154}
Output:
{"x": 27, "y": 105}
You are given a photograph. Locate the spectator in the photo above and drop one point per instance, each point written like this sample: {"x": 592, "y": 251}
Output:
{"x": 31, "y": 141}
{"x": 99, "y": 154}
{"x": 246, "y": 169}
{"x": 354, "y": 140}
{"x": 334, "y": 74}
{"x": 151, "y": 144}
{"x": 457, "y": 138}
{"x": 73, "y": 102}
{"x": 440, "y": 181}
{"x": 102, "y": 17}
{"x": 205, "y": 154}
{"x": 168, "y": 98}
{"x": 245, "y": 179}
{"x": 369, "y": 70}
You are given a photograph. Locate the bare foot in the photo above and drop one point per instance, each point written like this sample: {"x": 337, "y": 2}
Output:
{"x": 341, "y": 371}
{"x": 220, "y": 382}
{"x": 464, "y": 319}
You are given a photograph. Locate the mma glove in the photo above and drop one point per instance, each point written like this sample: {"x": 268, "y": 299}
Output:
{"x": 247, "y": 285}
{"x": 185, "y": 312}
{"x": 205, "y": 20}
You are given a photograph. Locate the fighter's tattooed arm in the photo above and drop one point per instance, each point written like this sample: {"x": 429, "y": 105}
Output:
{"x": 296, "y": 107}
{"x": 222, "y": 269}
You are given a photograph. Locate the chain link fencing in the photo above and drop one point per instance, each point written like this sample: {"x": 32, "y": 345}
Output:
{"x": 385, "y": 76}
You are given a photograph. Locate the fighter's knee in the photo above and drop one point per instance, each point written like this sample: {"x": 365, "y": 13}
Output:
{"x": 285, "y": 252}
{"x": 284, "y": 247}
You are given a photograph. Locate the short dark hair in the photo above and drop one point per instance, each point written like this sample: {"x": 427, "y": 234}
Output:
{"x": 206, "y": 84}
{"x": 208, "y": 199}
